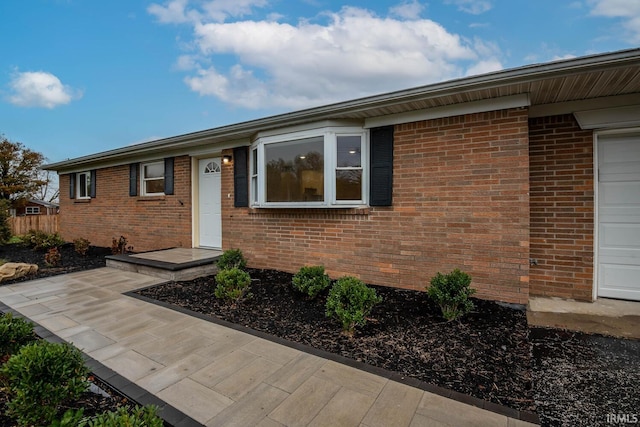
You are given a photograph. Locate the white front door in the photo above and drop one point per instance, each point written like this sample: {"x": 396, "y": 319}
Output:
{"x": 619, "y": 216}
{"x": 209, "y": 206}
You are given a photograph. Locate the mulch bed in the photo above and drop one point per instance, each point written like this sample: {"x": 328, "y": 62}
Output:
{"x": 567, "y": 378}
{"x": 70, "y": 261}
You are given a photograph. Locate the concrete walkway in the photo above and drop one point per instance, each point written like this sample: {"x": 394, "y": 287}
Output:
{"x": 219, "y": 376}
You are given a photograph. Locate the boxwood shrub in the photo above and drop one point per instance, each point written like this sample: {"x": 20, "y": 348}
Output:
{"x": 451, "y": 292}
{"x": 350, "y": 301}
{"x": 41, "y": 377}
{"x": 311, "y": 280}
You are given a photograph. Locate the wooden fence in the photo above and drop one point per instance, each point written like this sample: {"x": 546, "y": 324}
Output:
{"x": 22, "y": 224}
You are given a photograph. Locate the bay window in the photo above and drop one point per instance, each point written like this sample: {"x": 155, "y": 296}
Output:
{"x": 324, "y": 168}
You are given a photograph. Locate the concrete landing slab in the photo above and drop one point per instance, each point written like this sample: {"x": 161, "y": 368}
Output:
{"x": 604, "y": 316}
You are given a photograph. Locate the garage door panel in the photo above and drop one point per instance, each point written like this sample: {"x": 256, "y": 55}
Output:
{"x": 623, "y": 280}
{"x": 619, "y": 216}
{"x": 620, "y": 194}
{"x": 624, "y": 236}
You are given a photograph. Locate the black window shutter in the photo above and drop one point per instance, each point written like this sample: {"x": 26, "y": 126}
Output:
{"x": 168, "y": 176}
{"x": 72, "y": 185}
{"x": 133, "y": 179}
{"x": 241, "y": 177}
{"x": 93, "y": 184}
{"x": 381, "y": 182}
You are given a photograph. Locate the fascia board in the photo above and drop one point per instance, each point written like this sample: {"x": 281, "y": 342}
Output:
{"x": 493, "y": 104}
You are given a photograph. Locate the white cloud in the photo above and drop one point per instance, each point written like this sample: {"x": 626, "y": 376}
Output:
{"x": 353, "y": 53}
{"x": 173, "y": 12}
{"x": 176, "y": 11}
{"x": 474, "y": 7}
{"x": 627, "y": 10}
{"x": 40, "y": 89}
{"x": 408, "y": 10}
{"x": 484, "y": 66}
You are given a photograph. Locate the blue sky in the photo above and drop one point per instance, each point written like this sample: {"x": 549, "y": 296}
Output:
{"x": 80, "y": 76}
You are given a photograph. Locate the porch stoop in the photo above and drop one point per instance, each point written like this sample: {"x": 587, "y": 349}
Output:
{"x": 178, "y": 264}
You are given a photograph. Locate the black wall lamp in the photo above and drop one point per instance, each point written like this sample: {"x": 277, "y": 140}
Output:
{"x": 226, "y": 159}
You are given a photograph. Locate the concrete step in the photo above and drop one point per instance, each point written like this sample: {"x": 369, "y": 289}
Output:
{"x": 178, "y": 264}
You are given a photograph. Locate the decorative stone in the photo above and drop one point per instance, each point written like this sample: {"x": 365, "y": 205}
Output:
{"x": 15, "y": 270}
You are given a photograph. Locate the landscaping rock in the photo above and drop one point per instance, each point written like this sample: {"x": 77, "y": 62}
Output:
{"x": 15, "y": 270}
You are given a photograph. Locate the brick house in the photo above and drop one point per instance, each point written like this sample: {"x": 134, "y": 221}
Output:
{"x": 527, "y": 178}
{"x": 24, "y": 207}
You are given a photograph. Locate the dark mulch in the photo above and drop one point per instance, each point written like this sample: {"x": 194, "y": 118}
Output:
{"x": 568, "y": 379}
{"x": 71, "y": 261}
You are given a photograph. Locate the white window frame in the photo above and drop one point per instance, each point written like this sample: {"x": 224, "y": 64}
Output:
{"x": 87, "y": 186}
{"x": 258, "y": 177}
{"x": 144, "y": 179}
{"x": 32, "y": 210}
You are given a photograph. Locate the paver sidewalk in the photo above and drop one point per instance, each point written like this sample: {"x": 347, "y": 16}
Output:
{"x": 220, "y": 376}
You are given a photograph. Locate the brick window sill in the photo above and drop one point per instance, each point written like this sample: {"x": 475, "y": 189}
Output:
{"x": 310, "y": 212}
{"x": 151, "y": 198}
{"x": 81, "y": 201}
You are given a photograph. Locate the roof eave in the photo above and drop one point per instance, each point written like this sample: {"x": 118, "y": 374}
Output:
{"x": 519, "y": 75}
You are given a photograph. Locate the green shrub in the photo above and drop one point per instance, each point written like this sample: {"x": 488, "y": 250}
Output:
{"x": 124, "y": 416}
{"x": 232, "y": 258}
{"x": 41, "y": 377}
{"x": 53, "y": 257}
{"x": 350, "y": 301}
{"x": 16, "y": 240}
{"x": 41, "y": 241}
{"x": 5, "y": 228}
{"x": 71, "y": 418}
{"x": 451, "y": 292}
{"x": 311, "y": 280}
{"x": 14, "y": 333}
{"x": 81, "y": 246}
{"x": 232, "y": 284}
{"x": 140, "y": 416}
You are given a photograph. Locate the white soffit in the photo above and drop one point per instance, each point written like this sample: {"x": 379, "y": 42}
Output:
{"x": 493, "y": 104}
{"x": 607, "y": 118}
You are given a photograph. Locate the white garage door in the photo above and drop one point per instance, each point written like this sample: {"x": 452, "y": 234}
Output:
{"x": 619, "y": 216}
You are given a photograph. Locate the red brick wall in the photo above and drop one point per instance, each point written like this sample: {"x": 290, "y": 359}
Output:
{"x": 147, "y": 222}
{"x": 460, "y": 200}
{"x": 562, "y": 208}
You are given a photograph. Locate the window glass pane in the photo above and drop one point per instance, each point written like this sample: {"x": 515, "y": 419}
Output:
{"x": 82, "y": 185}
{"x": 154, "y": 186}
{"x": 295, "y": 171}
{"x": 254, "y": 162}
{"x": 154, "y": 170}
{"x": 349, "y": 151}
{"x": 349, "y": 184}
{"x": 88, "y": 180}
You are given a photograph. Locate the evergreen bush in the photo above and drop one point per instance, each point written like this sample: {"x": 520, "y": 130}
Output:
{"x": 350, "y": 301}
{"x": 451, "y": 292}
{"x": 311, "y": 280}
